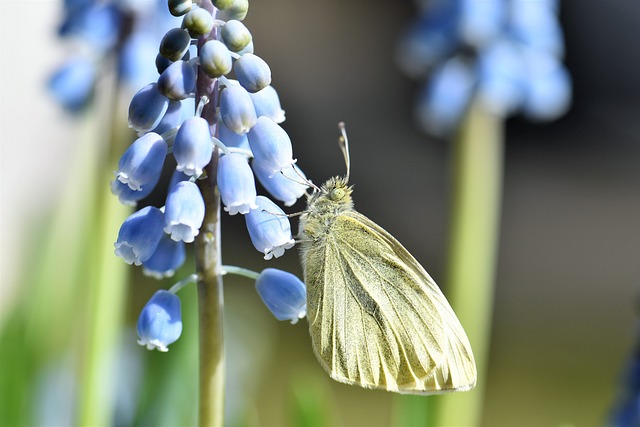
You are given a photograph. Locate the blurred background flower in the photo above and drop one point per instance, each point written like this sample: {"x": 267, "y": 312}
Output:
{"x": 567, "y": 271}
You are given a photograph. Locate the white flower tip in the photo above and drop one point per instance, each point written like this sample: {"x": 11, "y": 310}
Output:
{"x": 153, "y": 345}
{"x": 159, "y": 275}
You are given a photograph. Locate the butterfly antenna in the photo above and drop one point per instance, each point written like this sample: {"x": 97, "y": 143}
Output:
{"x": 344, "y": 145}
{"x": 304, "y": 181}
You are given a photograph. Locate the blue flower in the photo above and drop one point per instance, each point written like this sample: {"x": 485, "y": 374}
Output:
{"x": 271, "y": 146}
{"x": 267, "y": 103}
{"x": 178, "y": 81}
{"x": 286, "y": 186}
{"x": 184, "y": 212}
{"x": 141, "y": 164}
{"x": 215, "y": 58}
{"x": 232, "y": 139}
{"x": 72, "y": 85}
{"x": 193, "y": 147}
{"x": 269, "y": 228}
{"x": 130, "y": 197}
{"x": 236, "y": 109}
{"x": 252, "y": 72}
{"x": 139, "y": 235}
{"x": 168, "y": 257}
{"x": 283, "y": 293}
{"x": 147, "y": 108}
{"x": 236, "y": 184}
{"x": 160, "y": 321}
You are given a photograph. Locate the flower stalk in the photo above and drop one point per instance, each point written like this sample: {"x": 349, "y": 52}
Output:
{"x": 209, "y": 266}
{"x": 477, "y": 193}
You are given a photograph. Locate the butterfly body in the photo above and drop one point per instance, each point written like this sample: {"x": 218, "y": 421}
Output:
{"x": 376, "y": 317}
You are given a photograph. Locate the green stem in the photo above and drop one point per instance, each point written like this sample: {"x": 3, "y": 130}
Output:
{"x": 209, "y": 268}
{"x": 239, "y": 271}
{"x": 478, "y": 166}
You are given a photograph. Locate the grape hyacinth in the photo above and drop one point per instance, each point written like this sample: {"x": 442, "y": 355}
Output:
{"x": 504, "y": 53}
{"x": 232, "y": 135}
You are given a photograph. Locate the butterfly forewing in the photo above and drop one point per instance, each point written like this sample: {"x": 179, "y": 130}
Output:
{"x": 376, "y": 317}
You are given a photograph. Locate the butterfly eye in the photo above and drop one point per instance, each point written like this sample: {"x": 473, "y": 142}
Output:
{"x": 337, "y": 194}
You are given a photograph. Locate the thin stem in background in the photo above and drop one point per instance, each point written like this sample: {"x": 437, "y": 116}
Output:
{"x": 209, "y": 268}
{"x": 477, "y": 194}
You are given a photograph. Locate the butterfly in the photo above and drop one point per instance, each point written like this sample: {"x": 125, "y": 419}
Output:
{"x": 376, "y": 317}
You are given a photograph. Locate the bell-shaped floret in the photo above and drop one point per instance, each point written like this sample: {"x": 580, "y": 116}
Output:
{"x": 130, "y": 197}
{"x": 177, "y": 177}
{"x": 147, "y": 108}
{"x": 270, "y": 145}
{"x": 535, "y": 24}
{"x": 139, "y": 235}
{"x": 287, "y": 186}
{"x": 142, "y": 163}
{"x": 184, "y": 212}
{"x": 236, "y": 183}
{"x": 236, "y": 109}
{"x": 235, "y": 9}
{"x": 235, "y": 35}
{"x": 192, "y": 147}
{"x": 269, "y": 228}
{"x": 215, "y": 59}
{"x": 198, "y": 22}
{"x": 481, "y": 22}
{"x": 267, "y": 103}
{"x": 180, "y": 7}
{"x": 232, "y": 139}
{"x": 501, "y": 74}
{"x": 160, "y": 321}
{"x": 178, "y": 81}
{"x": 168, "y": 257}
{"x": 72, "y": 85}
{"x": 548, "y": 87}
{"x": 283, "y": 293}
{"x": 172, "y": 118}
{"x": 446, "y": 97}
{"x": 175, "y": 44}
{"x": 252, "y": 72}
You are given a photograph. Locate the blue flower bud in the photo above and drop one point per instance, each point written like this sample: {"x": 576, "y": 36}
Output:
{"x": 193, "y": 147}
{"x": 172, "y": 118}
{"x": 72, "y": 85}
{"x": 136, "y": 53}
{"x": 283, "y": 293}
{"x": 270, "y": 145}
{"x": 269, "y": 228}
{"x": 168, "y": 257}
{"x": 178, "y": 81}
{"x": 287, "y": 188}
{"x": 198, "y": 22}
{"x": 501, "y": 77}
{"x": 141, "y": 164}
{"x": 184, "y": 212}
{"x": 548, "y": 87}
{"x": 177, "y": 177}
{"x": 236, "y": 109}
{"x": 235, "y": 35}
{"x": 481, "y": 22}
{"x": 446, "y": 97}
{"x": 130, "y": 197}
{"x": 139, "y": 235}
{"x": 215, "y": 59}
{"x": 147, "y": 108}
{"x": 236, "y": 184}
{"x": 232, "y": 139}
{"x": 160, "y": 321}
{"x": 179, "y": 7}
{"x": 236, "y": 10}
{"x": 267, "y": 103}
{"x": 252, "y": 72}
{"x": 175, "y": 44}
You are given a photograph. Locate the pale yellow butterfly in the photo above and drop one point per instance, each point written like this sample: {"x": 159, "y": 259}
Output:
{"x": 376, "y": 317}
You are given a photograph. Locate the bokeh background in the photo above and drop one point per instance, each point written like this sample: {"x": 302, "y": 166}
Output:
{"x": 567, "y": 291}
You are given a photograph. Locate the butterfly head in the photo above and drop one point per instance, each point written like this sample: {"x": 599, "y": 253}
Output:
{"x": 334, "y": 195}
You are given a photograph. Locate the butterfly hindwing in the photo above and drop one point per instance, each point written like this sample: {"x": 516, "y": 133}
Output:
{"x": 376, "y": 317}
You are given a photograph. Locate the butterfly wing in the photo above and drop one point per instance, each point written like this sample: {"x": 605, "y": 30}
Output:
{"x": 376, "y": 317}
